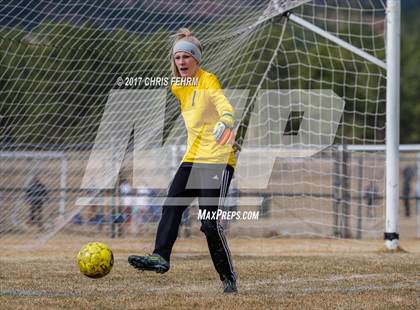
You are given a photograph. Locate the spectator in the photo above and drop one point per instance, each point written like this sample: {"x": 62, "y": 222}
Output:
{"x": 155, "y": 209}
{"x": 126, "y": 193}
{"x": 147, "y": 209}
{"x": 142, "y": 206}
{"x": 418, "y": 205}
{"x": 408, "y": 173}
{"x": 185, "y": 223}
{"x": 371, "y": 196}
{"x": 36, "y": 195}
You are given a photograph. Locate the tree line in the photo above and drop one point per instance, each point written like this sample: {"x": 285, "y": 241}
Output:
{"x": 55, "y": 79}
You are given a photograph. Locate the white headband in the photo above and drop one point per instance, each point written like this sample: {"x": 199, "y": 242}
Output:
{"x": 188, "y": 47}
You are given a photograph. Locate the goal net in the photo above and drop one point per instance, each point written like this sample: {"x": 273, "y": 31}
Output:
{"x": 86, "y": 112}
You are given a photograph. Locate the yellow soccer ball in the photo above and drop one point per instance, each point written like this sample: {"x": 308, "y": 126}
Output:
{"x": 95, "y": 260}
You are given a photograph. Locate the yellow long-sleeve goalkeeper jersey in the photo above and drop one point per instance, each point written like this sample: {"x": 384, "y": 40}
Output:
{"x": 202, "y": 105}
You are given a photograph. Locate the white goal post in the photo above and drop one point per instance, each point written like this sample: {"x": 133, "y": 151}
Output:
{"x": 392, "y": 123}
{"x": 392, "y": 67}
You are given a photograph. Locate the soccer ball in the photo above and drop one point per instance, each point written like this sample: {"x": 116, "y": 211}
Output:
{"x": 95, "y": 260}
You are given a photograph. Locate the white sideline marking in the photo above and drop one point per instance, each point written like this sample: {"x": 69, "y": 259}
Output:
{"x": 32, "y": 293}
{"x": 243, "y": 287}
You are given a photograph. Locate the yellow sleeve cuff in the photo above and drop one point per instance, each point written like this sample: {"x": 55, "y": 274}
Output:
{"x": 227, "y": 118}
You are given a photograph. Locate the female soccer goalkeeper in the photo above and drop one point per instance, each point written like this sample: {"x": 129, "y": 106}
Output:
{"x": 207, "y": 166}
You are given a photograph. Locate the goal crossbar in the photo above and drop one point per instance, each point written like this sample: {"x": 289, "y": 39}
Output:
{"x": 300, "y": 21}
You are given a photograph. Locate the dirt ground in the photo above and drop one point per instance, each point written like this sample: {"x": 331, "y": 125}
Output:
{"x": 272, "y": 274}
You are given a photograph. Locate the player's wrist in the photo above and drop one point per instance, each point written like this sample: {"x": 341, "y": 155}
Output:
{"x": 227, "y": 119}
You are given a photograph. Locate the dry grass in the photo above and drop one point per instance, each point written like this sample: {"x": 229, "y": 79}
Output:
{"x": 273, "y": 273}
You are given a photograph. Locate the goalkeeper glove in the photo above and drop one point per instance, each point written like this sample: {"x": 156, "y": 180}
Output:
{"x": 223, "y": 130}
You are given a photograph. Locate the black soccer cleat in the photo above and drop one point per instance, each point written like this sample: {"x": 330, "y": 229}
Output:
{"x": 153, "y": 262}
{"x": 229, "y": 286}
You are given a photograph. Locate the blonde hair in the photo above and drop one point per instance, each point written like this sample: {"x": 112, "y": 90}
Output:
{"x": 186, "y": 35}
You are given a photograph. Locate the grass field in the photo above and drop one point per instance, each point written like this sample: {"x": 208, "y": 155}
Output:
{"x": 272, "y": 274}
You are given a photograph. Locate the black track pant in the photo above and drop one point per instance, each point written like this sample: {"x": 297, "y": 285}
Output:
{"x": 210, "y": 183}
{"x": 36, "y": 213}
